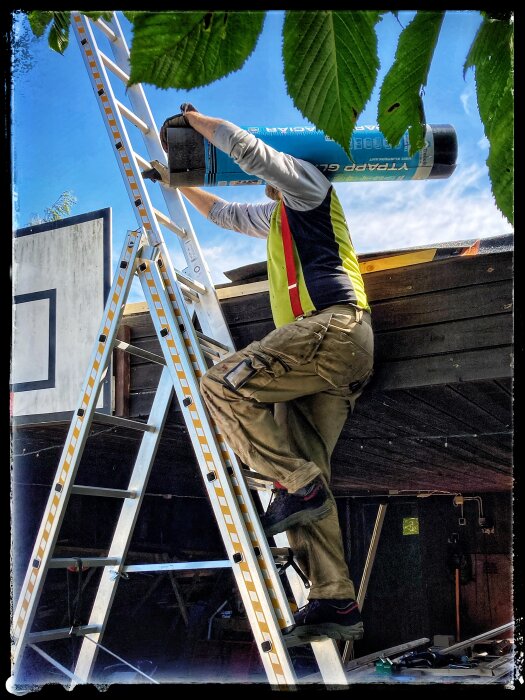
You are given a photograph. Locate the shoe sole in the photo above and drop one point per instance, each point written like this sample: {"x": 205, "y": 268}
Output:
{"x": 304, "y": 633}
{"x": 302, "y": 517}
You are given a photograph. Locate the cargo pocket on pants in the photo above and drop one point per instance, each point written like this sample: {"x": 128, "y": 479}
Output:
{"x": 296, "y": 343}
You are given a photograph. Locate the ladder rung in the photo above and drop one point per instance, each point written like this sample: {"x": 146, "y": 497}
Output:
{"x": 61, "y": 633}
{"x": 210, "y": 353}
{"x": 256, "y": 481}
{"x": 281, "y": 552}
{"x": 257, "y": 485}
{"x": 293, "y": 641}
{"x": 100, "y": 491}
{"x": 168, "y": 223}
{"x": 193, "y": 284}
{"x": 212, "y": 341}
{"x": 123, "y": 422}
{"x": 64, "y": 562}
{"x": 249, "y": 474}
{"x": 106, "y": 29}
{"x": 179, "y": 566}
{"x": 134, "y": 350}
{"x": 145, "y": 164}
{"x": 188, "y": 293}
{"x": 122, "y": 75}
{"x": 130, "y": 116}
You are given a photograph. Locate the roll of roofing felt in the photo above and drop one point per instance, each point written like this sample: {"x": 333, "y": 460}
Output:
{"x": 194, "y": 161}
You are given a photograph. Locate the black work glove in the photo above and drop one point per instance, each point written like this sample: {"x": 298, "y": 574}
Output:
{"x": 176, "y": 121}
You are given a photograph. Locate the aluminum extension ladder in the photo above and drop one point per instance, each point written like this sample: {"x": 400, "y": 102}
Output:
{"x": 183, "y": 358}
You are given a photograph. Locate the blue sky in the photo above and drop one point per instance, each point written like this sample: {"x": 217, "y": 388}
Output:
{"x": 59, "y": 143}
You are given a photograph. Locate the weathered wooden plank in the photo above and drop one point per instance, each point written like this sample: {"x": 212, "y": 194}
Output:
{"x": 403, "y": 374}
{"x": 403, "y": 312}
{"x": 458, "y": 478}
{"x": 242, "y": 335}
{"x": 382, "y": 415}
{"x": 414, "y": 279}
{"x": 140, "y": 404}
{"x": 428, "y": 450}
{"x": 449, "y": 305}
{"x": 449, "y": 273}
{"x": 417, "y": 460}
{"x": 145, "y": 376}
{"x": 498, "y": 448}
{"x": 465, "y": 334}
{"x": 489, "y": 397}
{"x": 506, "y": 385}
{"x": 141, "y": 325}
{"x": 461, "y": 413}
{"x": 473, "y": 365}
{"x": 447, "y": 401}
{"x": 247, "y": 309}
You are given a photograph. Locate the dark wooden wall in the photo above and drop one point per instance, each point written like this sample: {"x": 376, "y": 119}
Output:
{"x": 411, "y": 593}
{"x": 440, "y": 322}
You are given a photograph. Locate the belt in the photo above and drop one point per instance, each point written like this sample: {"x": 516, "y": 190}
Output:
{"x": 360, "y": 314}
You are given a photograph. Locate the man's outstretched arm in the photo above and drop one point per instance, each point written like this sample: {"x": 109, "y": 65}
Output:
{"x": 251, "y": 219}
{"x": 302, "y": 184}
{"x": 202, "y": 201}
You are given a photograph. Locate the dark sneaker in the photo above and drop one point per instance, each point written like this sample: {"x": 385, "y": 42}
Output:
{"x": 300, "y": 508}
{"x": 338, "y": 619}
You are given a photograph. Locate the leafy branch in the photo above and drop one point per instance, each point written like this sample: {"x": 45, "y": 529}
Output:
{"x": 330, "y": 66}
{"x": 58, "y": 210}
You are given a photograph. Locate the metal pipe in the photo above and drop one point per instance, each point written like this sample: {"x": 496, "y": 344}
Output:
{"x": 213, "y": 617}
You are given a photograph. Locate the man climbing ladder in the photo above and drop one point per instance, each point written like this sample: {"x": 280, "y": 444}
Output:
{"x": 312, "y": 367}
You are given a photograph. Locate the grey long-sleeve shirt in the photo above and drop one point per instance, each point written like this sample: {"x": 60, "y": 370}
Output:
{"x": 303, "y": 186}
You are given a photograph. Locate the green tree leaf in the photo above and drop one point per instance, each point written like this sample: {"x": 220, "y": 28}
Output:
{"x": 39, "y": 20}
{"x": 131, "y": 14}
{"x": 190, "y": 49}
{"x": 491, "y": 56}
{"x": 400, "y": 104}
{"x": 59, "y": 32}
{"x": 500, "y": 161}
{"x": 330, "y": 67}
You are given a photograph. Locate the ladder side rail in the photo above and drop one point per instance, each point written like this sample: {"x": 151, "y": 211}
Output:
{"x": 209, "y": 311}
{"x": 122, "y": 146}
{"x": 232, "y": 525}
{"x": 74, "y": 445}
{"x": 124, "y": 529}
{"x": 116, "y": 129}
{"x": 124, "y": 152}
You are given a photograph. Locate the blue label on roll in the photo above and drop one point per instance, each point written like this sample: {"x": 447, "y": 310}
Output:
{"x": 372, "y": 157}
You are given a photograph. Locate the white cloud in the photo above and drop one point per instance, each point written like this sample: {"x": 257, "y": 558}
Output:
{"x": 483, "y": 143}
{"x": 386, "y": 216}
{"x": 465, "y": 99}
{"x": 232, "y": 254}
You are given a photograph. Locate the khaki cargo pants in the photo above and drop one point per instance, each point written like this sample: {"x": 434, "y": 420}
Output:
{"x": 313, "y": 370}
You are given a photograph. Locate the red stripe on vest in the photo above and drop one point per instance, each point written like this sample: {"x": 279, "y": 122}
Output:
{"x": 291, "y": 272}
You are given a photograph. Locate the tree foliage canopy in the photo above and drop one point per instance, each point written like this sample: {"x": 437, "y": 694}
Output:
{"x": 330, "y": 65}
